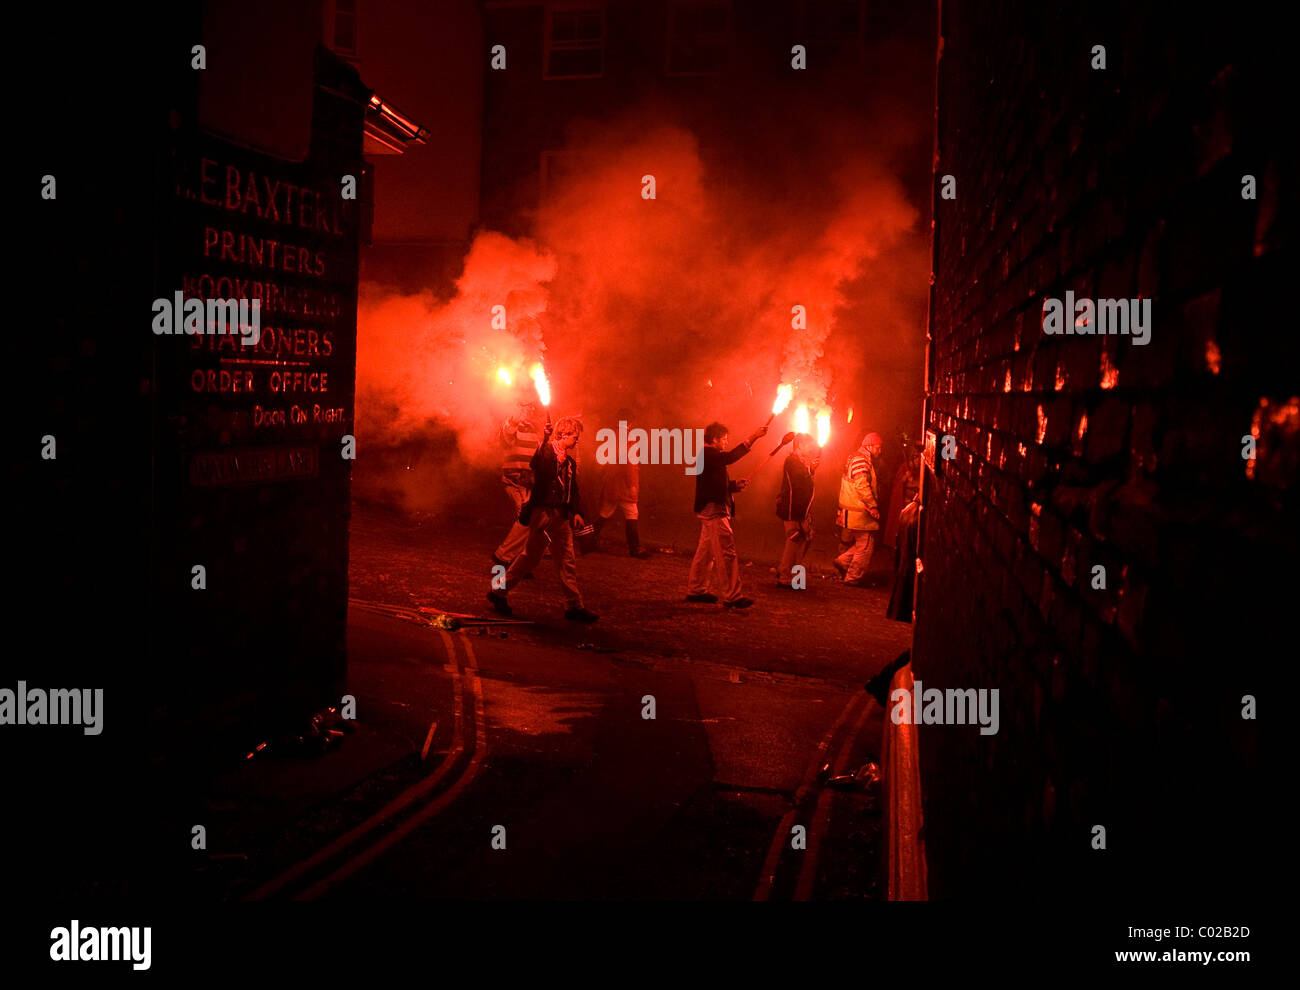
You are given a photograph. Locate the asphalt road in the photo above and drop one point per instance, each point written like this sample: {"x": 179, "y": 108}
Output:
{"x": 520, "y": 761}
{"x": 829, "y": 630}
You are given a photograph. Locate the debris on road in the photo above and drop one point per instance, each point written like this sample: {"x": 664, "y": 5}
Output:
{"x": 868, "y": 773}
{"x": 864, "y": 776}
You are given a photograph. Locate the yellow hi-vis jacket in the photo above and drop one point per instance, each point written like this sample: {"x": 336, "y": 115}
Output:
{"x": 858, "y": 506}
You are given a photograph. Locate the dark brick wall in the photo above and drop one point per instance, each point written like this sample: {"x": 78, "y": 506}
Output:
{"x": 1119, "y": 706}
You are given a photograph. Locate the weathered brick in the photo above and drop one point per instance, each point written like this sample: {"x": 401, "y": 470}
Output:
{"x": 1051, "y": 536}
{"x": 1108, "y": 430}
{"x": 1057, "y": 415}
{"x": 1113, "y": 187}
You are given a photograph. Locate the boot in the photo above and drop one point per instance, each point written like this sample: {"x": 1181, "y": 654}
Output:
{"x": 634, "y": 540}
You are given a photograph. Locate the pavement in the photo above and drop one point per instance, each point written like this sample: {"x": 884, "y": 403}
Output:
{"x": 521, "y": 761}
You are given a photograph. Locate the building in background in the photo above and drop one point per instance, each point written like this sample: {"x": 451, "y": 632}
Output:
{"x": 577, "y": 60}
{"x": 428, "y": 58}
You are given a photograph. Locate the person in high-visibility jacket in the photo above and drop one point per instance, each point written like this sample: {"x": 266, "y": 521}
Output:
{"x": 859, "y": 510}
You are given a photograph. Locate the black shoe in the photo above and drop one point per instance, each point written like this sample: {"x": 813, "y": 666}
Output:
{"x": 707, "y": 599}
{"x": 739, "y": 603}
{"x": 842, "y": 568}
{"x": 639, "y": 553}
{"x": 500, "y": 603}
{"x": 580, "y": 615}
{"x": 788, "y": 586}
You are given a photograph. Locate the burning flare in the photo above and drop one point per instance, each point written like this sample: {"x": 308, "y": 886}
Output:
{"x": 543, "y": 386}
{"x": 783, "y": 395}
{"x": 503, "y": 375}
{"x": 823, "y": 427}
{"x": 801, "y": 420}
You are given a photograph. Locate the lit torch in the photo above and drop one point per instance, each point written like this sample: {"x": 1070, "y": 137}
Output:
{"x": 783, "y": 394}
{"x": 543, "y": 386}
{"x": 801, "y": 420}
{"x": 823, "y": 427}
{"x": 543, "y": 389}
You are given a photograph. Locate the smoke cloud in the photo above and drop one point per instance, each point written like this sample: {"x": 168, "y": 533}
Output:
{"x": 680, "y": 307}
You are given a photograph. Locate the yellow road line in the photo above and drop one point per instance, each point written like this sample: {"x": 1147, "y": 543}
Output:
{"x": 414, "y": 821}
{"x": 768, "y": 877}
{"x": 392, "y": 807}
{"x": 821, "y": 817}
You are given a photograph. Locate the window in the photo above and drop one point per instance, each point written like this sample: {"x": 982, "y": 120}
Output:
{"x": 699, "y": 37}
{"x": 575, "y": 42}
{"x": 832, "y": 31}
{"x": 341, "y": 27}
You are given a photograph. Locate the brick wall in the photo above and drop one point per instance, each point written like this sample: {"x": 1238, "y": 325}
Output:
{"x": 1120, "y": 706}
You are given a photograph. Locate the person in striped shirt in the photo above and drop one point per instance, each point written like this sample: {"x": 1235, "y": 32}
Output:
{"x": 859, "y": 511}
{"x": 520, "y": 438}
{"x": 551, "y": 514}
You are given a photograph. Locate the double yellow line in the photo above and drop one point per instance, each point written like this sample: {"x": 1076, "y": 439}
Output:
{"x": 821, "y": 813}
{"x": 468, "y": 695}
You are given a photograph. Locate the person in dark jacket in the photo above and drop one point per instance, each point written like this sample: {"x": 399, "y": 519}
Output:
{"x": 550, "y": 514}
{"x": 714, "y": 507}
{"x": 794, "y": 505}
{"x": 907, "y": 481}
{"x": 900, "y": 601}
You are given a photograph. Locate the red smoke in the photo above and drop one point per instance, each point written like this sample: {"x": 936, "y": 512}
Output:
{"x": 643, "y": 302}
